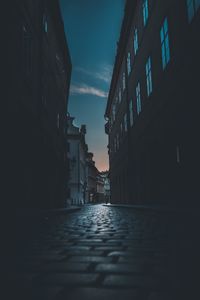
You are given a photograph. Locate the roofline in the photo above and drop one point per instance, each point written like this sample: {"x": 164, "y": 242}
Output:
{"x": 121, "y": 47}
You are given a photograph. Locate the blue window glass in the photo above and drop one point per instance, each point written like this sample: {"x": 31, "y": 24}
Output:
{"x": 129, "y": 63}
{"x": 138, "y": 98}
{"x": 149, "y": 76}
{"x": 45, "y": 23}
{"x": 164, "y": 37}
{"x": 145, "y": 9}
{"x": 135, "y": 42}
{"x": 192, "y": 7}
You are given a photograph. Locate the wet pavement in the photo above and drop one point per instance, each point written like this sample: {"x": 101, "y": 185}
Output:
{"x": 110, "y": 253}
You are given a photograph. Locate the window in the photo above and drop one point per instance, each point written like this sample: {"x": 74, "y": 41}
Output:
{"x": 131, "y": 112}
{"x": 129, "y": 63}
{"x": 145, "y": 9}
{"x": 165, "y": 43}
{"x": 138, "y": 98}
{"x": 149, "y": 76}
{"x": 135, "y": 41}
{"x": 192, "y": 7}
{"x": 125, "y": 122}
{"x": 116, "y": 101}
{"x": 123, "y": 81}
{"x": 121, "y": 128}
{"x": 120, "y": 95}
{"x": 45, "y": 24}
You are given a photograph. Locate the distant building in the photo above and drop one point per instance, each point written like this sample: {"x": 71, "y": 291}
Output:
{"x": 153, "y": 105}
{"x": 91, "y": 178}
{"x": 100, "y": 188}
{"x": 106, "y": 181}
{"x": 39, "y": 68}
{"x": 77, "y": 153}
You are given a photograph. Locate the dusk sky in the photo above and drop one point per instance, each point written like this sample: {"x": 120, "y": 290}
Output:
{"x": 92, "y": 28}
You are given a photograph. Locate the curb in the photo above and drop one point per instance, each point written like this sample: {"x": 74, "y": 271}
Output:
{"x": 164, "y": 209}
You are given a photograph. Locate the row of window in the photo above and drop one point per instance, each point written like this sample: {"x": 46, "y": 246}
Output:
{"x": 145, "y": 10}
{"x": 135, "y": 107}
{"x": 165, "y": 59}
{"x": 192, "y": 7}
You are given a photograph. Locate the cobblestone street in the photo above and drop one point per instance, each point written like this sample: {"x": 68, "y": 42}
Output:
{"x": 103, "y": 252}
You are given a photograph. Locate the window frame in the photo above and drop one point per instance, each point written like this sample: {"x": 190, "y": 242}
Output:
{"x": 138, "y": 98}
{"x": 164, "y": 40}
{"x": 148, "y": 68}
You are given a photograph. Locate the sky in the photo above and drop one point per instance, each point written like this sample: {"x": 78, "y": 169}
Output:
{"x": 92, "y": 29}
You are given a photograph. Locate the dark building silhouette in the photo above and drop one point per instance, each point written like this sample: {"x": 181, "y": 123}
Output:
{"x": 153, "y": 105}
{"x": 37, "y": 86}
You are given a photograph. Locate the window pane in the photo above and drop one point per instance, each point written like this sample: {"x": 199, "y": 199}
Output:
{"x": 129, "y": 63}
{"x": 191, "y": 9}
{"x": 165, "y": 49}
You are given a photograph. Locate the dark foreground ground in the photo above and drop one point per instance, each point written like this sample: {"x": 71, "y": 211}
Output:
{"x": 110, "y": 253}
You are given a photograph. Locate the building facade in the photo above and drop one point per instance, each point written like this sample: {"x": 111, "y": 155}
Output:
{"x": 91, "y": 178}
{"x": 100, "y": 196}
{"x": 153, "y": 104}
{"x": 77, "y": 154}
{"x": 106, "y": 181}
{"x": 38, "y": 81}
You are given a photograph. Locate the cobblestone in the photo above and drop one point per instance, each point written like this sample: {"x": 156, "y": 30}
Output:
{"x": 106, "y": 253}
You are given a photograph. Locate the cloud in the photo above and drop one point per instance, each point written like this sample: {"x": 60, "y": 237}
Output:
{"x": 104, "y": 73}
{"x": 84, "y": 89}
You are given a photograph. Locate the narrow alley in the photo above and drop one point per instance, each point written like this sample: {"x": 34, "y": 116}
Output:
{"x": 105, "y": 252}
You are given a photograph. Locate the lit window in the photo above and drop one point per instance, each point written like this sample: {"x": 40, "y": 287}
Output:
{"x": 129, "y": 63}
{"x": 131, "y": 112}
{"x": 135, "y": 42}
{"x": 192, "y": 6}
{"x": 145, "y": 9}
{"x": 138, "y": 98}
{"x": 165, "y": 43}
{"x": 149, "y": 76}
{"x": 125, "y": 122}
{"x": 123, "y": 81}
